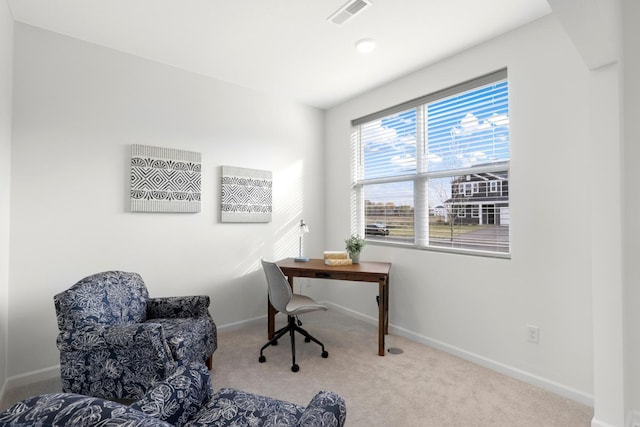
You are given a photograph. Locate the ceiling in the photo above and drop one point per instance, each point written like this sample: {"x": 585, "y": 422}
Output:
{"x": 285, "y": 47}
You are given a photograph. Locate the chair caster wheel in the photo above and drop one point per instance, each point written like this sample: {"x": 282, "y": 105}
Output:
{"x": 325, "y": 354}
{"x": 262, "y": 359}
{"x": 307, "y": 339}
{"x": 295, "y": 368}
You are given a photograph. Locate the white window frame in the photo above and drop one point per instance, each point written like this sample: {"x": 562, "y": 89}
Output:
{"x": 422, "y": 176}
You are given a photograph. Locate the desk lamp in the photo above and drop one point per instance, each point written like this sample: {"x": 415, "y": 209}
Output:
{"x": 302, "y": 228}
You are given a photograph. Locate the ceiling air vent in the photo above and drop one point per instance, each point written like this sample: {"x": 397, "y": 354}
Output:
{"x": 348, "y": 11}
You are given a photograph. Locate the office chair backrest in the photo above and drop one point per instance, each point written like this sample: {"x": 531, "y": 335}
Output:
{"x": 279, "y": 289}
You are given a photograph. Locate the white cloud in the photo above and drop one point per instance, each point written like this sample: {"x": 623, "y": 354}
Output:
{"x": 470, "y": 123}
{"x": 499, "y": 119}
{"x": 405, "y": 161}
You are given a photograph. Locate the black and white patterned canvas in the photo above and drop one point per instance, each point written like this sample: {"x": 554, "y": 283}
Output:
{"x": 246, "y": 195}
{"x": 164, "y": 179}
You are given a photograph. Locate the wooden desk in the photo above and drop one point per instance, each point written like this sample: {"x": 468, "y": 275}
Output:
{"x": 376, "y": 272}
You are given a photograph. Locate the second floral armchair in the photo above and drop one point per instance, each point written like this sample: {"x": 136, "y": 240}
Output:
{"x": 117, "y": 342}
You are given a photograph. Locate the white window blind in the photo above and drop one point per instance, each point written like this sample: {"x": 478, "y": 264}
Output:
{"x": 435, "y": 171}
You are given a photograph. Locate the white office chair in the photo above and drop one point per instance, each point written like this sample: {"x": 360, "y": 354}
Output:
{"x": 285, "y": 301}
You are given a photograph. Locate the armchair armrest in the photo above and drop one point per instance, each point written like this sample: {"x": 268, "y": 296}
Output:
{"x": 175, "y": 307}
{"x": 68, "y": 409}
{"x": 326, "y": 409}
{"x": 179, "y": 397}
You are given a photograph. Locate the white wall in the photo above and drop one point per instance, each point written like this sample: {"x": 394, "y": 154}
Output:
{"x": 631, "y": 198}
{"x": 77, "y": 108}
{"x": 606, "y": 250}
{"x": 6, "y": 69}
{"x": 478, "y": 307}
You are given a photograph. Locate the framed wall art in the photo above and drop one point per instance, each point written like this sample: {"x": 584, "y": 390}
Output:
{"x": 164, "y": 179}
{"x": 246, "y": 195}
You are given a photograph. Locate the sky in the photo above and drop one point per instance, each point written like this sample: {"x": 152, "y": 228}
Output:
{"x": 464, "y": 130}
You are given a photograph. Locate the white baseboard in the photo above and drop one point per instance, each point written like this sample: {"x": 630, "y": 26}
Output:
{"x": 236, "y": 325}
{"x": 352, "y": 313}
{"x": 2, "y": 392}
{"x": 544, "y": 383}
{"x": 597, "y": 423}
{"x": 633, "y": 418}
{"x": 33, "y": 377}
{"x": 29, "y": 378}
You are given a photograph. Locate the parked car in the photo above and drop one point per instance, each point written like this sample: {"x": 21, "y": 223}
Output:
{"x": 376, "y": 230}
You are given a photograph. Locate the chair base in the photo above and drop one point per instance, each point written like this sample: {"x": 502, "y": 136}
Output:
{"x": 292, "y": 328}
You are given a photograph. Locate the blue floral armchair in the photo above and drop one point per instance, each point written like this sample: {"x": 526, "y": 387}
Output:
{"x": 185, "y": 399}
{"x": 116, "y": 342}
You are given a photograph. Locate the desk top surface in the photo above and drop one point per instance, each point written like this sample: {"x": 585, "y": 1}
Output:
{"x": 316, "y": 264}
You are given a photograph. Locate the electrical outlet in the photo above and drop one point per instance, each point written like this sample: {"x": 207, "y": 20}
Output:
{"x": 533, "y": 334}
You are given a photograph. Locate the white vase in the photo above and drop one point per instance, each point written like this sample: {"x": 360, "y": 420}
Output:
{"x": 355, "y": 257}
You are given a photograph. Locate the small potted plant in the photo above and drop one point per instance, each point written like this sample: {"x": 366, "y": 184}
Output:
{"x": 354, "y": 245}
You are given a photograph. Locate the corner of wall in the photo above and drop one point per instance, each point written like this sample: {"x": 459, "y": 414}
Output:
{"x": 594, "y": 27}
{"x": 6, "y": 106}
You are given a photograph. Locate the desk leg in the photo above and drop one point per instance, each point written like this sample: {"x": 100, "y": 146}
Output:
{"x": 386, "y": 307}
{"x": 382, "y": 310}
{"x": 271, "y": 319}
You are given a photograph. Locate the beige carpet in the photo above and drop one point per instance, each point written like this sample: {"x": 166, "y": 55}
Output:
{"x": 421, "y": 387}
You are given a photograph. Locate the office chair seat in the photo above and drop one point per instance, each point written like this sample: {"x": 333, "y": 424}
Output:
{"x": 285, "y": 301}
{"x": 301, "y": 304}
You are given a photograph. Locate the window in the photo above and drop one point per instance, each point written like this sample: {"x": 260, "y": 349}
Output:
{"x": 434, "y": 171}
{"x": 494, "y": 187}
{"x": 469, "y": 188}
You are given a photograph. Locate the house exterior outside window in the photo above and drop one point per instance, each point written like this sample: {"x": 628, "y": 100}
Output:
{"x": 491, "y": 198}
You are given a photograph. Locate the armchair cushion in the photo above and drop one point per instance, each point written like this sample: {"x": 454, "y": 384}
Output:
{"x": 234, "y": 407}
{"x": 179, "y": 397}
{"x": 188, "y": 326}
{"x": 189, "y": 339}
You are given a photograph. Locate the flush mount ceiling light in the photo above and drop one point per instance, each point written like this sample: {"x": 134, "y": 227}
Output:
{"x": 365, "y": 45}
